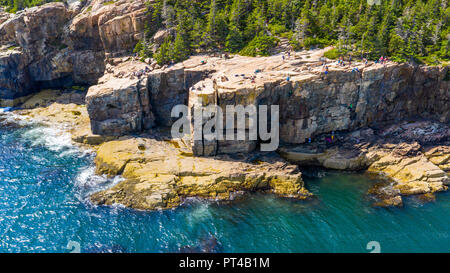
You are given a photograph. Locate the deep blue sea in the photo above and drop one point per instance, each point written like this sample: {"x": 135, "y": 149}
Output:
{"x": 45, "y": 181}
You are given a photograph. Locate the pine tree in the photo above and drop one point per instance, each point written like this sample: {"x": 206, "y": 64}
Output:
{"x": 234, "y": 41}
{"x": 180, "y": 51}
{"x": 404, "y": 29}
{"x": 210, "y": 33}
{"x": 163, "y": 54}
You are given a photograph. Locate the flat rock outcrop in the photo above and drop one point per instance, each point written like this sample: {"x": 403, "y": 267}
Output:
{"x": 413, "y": 156}
{"x": 312, "y": 102}
{"x": 161, "y": 174}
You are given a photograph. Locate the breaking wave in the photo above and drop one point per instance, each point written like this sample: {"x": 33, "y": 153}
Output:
{"x": 88, "y": 182}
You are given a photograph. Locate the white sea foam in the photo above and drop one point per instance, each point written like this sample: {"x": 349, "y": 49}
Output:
{"x": 200, "y": 213}
{"x": 59, "y": 140}
{"x": 87, "y": 178}
{"x": 53, "y": 139}
{"x": 88, "y": 182}
{"x": 11, "y": 117}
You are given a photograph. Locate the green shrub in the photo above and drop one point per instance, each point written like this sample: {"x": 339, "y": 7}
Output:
{"x": 142, "y": 50}
{"x": 334, "y": 53}
{"x": 315, "y": 42}
{"x": 277, "y": 29}
{"x": 287, "y": 34}
{"x": 260, "y": 46}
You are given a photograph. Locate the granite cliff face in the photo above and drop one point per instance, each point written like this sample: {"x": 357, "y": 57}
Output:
{"x": 80, "y": 41}
{"x": 311, "y": 103}
{"x": 56, "y": 45}
{"x": 390, "y": 119}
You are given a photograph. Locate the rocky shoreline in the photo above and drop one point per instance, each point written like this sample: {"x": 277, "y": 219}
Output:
{"x": 161, "y": 172}
{"x": 410, "y": 158}
{"x": 389, "y": 119}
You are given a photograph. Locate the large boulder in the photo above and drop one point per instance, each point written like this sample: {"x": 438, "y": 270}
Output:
{"x": 120, "y": 106}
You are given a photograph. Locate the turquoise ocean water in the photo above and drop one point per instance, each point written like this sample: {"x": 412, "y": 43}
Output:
{"x": 45, "y": 181}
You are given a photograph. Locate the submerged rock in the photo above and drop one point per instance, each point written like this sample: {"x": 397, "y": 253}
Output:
{"x": 207, "y": 245}
{"x": 395, "y": 201}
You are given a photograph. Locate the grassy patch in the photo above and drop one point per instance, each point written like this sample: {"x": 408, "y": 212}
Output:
{"x": 78, "y": 88}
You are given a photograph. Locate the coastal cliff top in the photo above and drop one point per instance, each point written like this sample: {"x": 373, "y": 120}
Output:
{"x": 235, "y": 72}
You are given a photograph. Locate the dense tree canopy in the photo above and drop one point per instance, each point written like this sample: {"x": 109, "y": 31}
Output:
{"x": 16, "y": 5}
{"x": 406, "y": 30}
